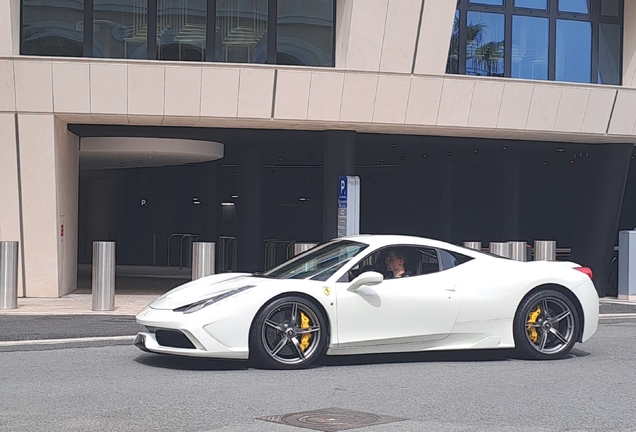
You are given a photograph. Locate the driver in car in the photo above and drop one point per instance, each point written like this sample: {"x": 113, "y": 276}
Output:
{"x": 395, "y": 260}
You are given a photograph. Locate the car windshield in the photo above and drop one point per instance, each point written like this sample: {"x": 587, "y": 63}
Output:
{"x": 318, "y": 263}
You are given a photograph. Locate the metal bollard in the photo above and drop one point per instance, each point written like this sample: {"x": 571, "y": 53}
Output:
{"x": 203, "y": 259}
{"x": 103, "y": 280}
{"x": 545, "y": 250}
{"x": 302, "y": 247}
{"x": 518, "y": 250}
{"x": 500, "y": 248}
{"x": 472, "y": 245}
{"x": 9, "y": 275}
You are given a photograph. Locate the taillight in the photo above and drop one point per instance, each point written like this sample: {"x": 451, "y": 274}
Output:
{"x": 586, "y": 270}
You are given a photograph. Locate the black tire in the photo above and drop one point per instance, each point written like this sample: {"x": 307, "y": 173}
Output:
{"x": 280, "y": 341}
{"x": 545, "y": 335}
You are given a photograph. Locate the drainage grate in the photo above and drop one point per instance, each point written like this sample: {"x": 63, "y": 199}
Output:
{"x": 331, "y": 419}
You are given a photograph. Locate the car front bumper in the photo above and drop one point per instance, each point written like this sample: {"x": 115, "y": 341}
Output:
{"x": 194, "y": 338}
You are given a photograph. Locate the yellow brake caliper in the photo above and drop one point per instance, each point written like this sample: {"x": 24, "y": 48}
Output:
{"x": 532, "y": 331}
{"x": 306, "y": 338}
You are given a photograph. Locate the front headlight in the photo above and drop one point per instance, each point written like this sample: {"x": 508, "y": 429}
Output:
{"x": 194, "y": 307}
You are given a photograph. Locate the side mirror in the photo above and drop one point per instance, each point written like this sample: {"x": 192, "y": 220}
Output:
{"x": 366, "y": 278}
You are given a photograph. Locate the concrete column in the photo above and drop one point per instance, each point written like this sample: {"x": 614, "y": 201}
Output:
{"x": 629, "y": 44}
{"x": 250, "y": 212}
{"x": 9, "y": 186}
{"x": 48, "y": 161}
{"x": 210, "y": 203}
{"x": 511, "y": 199}
{"x": 596, "y": 225}
{"x": 339, "y": 159}
{"x": 9, "y": 28}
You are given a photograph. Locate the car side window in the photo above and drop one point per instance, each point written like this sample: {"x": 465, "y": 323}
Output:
{"x": 452, "y": 259}
{"x": 418, "y": 261}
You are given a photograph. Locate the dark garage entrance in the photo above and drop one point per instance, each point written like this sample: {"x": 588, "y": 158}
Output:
{"x": 281, "y": 185}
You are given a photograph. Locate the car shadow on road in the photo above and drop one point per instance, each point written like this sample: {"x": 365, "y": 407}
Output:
{"x": 202, "y": 364}
{"x": 421, "y": 357}
{"x": 190, "y": 363}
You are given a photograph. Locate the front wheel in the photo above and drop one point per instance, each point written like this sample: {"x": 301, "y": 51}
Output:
{"x": 289, "y": 333}
{"x": 545, "y": 326}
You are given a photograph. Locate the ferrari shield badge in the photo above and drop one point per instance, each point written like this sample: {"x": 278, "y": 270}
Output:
{"x": 327, "y": 290}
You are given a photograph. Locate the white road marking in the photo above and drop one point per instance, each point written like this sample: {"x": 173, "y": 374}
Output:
{"x": 617, "y": 315}
{"x": 65, "y": 341}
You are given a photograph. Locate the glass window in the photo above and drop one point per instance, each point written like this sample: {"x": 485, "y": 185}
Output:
{"x": 452, "y": 259}
{"x": 452, "y": 65}
{"x": 609, "y": 51}
{"x": 412, "y": 260}
{"x": 304, "y": 32}
{"x": 488, "y": 2}
{"x": 530, "y": 47}
{"x": 485, "y": 44}
{"x": 573, "y": 51}
{"x": 53, "y": 28}
{"x": 610, "y": 8}
{"x": 532, "y": 4}
{"x": 576, "y": 6}
{"x": 120, "y": 30}
{"x": 241, "y": 31}
{"x": 181, "y": 29}
{"x": 318, "y": 263}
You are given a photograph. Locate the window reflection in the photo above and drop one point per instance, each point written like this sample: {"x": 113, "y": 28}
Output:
{"x": 609, "y": 54}
{"x": 577, "y": 6}
{"x": 530, "y": 47}
{"x": 120, "y": 30}
{"x": 532, "y": 4}
{"x": 610, "y": 8}
{"x": 181, "y": 29}
{"x": 305, "y": 32}
{"x": 488, "y": 2}
{"x": 241, "y": 31}
{"x": 485, "y": 44}
{"x": 573, "y": 51}
{"x": 452, "y": 65}
{"x": 53, "y": 28}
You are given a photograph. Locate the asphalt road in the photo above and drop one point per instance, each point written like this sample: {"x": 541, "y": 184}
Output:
{"x": 120, "y": 388}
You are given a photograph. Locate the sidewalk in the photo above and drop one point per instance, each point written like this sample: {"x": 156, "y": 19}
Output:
{"x": 80, "y": 303}
{"x": 132, "y": 294}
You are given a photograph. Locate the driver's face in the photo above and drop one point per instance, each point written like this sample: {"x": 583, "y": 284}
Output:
{"x": 393, "y": 263}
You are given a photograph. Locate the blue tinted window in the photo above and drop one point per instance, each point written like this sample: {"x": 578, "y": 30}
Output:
{"x": 488, "y": 2}
{"x": 452, "y": 65}
{"x": 530, "y": 47}
{"x": 573, "y": 51}
{"x": 609, "y": 52}
{"x": 532, "y": 4}
{"x": 485, "y": 44}
{"x": 578, "y": 6}
{"x": 53, "y": 28}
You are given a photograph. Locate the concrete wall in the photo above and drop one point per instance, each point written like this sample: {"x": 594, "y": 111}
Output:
{"x": 9, "y": 28}
{"x": 67, "y": 173}
{"x": 9, "y": 188}
{"x": 629, "y": 44}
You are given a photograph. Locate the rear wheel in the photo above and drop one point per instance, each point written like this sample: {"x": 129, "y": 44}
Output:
{"x": 546, "y": 325}
{"x": 289, "y": 333}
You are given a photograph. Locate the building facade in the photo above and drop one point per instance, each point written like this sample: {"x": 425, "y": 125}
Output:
{"x": 487, "y": 120}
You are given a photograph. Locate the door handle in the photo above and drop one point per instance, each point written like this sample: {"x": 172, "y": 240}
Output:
{"x": 450, "y": 289}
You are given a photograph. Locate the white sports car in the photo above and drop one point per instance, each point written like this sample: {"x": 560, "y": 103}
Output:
{"x": 339, "y": 298}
